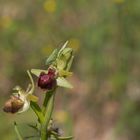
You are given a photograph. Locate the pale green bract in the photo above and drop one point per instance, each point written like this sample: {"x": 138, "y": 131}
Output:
{"x": 64, "y": 58}
{"x": 52, "y": 57}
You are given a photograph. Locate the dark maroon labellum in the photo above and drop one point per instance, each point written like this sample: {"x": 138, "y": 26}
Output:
{"x": 47, "y": 81}
{"x": 13, "y": 105}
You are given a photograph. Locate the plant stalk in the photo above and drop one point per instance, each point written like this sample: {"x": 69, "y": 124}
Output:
{"x": 37, "y": 111}
{"x": 48, "y": 106}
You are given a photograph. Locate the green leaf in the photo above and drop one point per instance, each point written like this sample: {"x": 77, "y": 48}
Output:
{"x": 31, "y": 137}
{"x": 52, "y": 57}
{"x": 33, "y": 126}
{"x": 37, "y": 111}
{"x": 17, "y": 132}
{"x": 69, "y": 63}
{"x": 38, "y": 71}
{"x": 62, "y": 82}
{"x": 61, "y": 138}
{"x": 65, "y": 138}
{"x": 64, "y": 58}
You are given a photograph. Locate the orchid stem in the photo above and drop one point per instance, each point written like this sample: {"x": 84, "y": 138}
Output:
{"x": 35, "y": 107}
{"x": 47, "y": 97}
{"x": 48, "y": 108}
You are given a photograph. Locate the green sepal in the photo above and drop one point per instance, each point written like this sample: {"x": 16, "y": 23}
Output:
{"x": 67, "y": 52}
{"x": 64, "y": 58}
{"x": 61, "y": 63}
{"x": 38, "y": 71}
{"x": 31, "y": 97}
{"x": 69, "y": 63}
{"x": 64, "y": 73}
{"x": 52, "y": 57}
{"x": 62, "y": 82}
{"x": 63, "y": 47}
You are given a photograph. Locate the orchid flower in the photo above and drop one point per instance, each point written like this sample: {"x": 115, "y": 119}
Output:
{"x": 59, "y": 64}
{"x": 20, "y": 100}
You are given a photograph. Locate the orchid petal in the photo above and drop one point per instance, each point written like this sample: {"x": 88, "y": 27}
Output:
{"x": 62, "y": 82}
{"x": 38, "y": 71}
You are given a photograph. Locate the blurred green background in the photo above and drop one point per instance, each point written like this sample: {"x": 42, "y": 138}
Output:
{"x": 105, "y": 101}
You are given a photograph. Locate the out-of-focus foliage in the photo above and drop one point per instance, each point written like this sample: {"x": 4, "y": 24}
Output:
{"x": 106, "y": 38}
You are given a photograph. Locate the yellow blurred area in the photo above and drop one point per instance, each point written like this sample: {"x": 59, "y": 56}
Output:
{"x": 119, "y": 1}
{"x": 5, "y": 22}
{"x": 46, "y": 50}
{"x": 61, "y": 116}
{"x": 74, "y": 43}
{"x": 50, "y": 6}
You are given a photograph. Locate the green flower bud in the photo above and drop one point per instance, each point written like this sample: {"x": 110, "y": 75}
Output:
{"x": 64, "y": 58}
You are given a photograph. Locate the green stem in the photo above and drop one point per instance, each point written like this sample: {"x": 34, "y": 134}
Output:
{"x": 48, "y": 114}
{"x": 37, "y": 111}
{"x": 47, "y": 97}
{"x": 17, "y": 132}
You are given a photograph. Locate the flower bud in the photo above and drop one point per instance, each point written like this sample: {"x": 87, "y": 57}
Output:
{"x": 64, "y": 58}
{"x": 13, "y": 105}
{"x": 47, "y": 81}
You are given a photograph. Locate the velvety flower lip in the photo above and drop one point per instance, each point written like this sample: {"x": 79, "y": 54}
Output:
{"x": 47, "y": 81}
